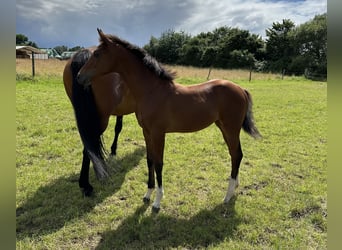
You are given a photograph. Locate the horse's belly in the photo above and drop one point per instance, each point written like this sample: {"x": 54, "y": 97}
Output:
{"x": 124, "y": 108}
{"x": 190, "y": 122}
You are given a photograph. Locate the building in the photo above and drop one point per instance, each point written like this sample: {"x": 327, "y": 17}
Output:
{"x": 52, "y": 53}
{"x": 28, "y": 51}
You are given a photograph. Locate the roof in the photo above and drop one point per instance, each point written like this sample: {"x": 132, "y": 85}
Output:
{"x": 30, "y": 49}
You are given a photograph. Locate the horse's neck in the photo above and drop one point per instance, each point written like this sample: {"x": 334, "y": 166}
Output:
{"x": 139, "y": 79}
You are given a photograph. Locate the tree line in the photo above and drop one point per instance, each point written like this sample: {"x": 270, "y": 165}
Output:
{"x": 288, "y": 49}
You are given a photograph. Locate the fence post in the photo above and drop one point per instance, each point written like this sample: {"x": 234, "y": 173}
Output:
{"x": 209, "y": 72}
{"x": 33, "y": 69}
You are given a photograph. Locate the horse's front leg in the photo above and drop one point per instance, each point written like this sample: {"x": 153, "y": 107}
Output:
{"x": 150, "y": 182}
{"x": 160, "y": 190}
{"x": 155, "y": 150}
{"x": 158, "y": 141}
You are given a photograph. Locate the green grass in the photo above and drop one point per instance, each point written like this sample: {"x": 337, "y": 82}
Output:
{"x": 281, "y": 202}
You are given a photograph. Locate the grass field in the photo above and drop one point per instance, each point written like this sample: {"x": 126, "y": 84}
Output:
{"x": 281, "y": 202}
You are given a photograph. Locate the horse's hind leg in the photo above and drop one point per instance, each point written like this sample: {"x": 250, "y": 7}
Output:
{"x": 232, "y": 139}
{"x": 117, "y": 130}
{"x": 83, "y": 181}
{"x": 236, "y": 157}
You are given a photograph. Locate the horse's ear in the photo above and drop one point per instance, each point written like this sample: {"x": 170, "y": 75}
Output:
{"x": 103, "y": 37}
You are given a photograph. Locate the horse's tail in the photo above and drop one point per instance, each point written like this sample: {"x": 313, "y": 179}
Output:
{"x": 87, "y": 116}
{"x": 248, "y": 123}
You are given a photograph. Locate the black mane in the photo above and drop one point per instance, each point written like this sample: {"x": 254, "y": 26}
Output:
{"x": 150, "y": 62}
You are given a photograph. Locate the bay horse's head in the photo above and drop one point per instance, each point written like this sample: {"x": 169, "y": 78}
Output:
{"x": 102, "y": 61}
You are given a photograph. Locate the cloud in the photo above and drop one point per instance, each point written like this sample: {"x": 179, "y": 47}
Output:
{"x": 252, "y": 15}
{"x": 72, "y": 23}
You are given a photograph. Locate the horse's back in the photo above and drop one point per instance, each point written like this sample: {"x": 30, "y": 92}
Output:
{"x": 218, "y": 84}
{"x": 212, "y": 91}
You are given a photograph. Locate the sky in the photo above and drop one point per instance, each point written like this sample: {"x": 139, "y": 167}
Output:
{"x": 73, "y": 23}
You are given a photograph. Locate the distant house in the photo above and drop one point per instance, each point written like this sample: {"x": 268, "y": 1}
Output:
{"x": 52, "y": 53}
{"x": 28, "y": 51}
{"x": 68, "y": 54}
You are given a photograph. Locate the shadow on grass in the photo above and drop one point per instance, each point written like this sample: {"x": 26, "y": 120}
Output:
{"x": 208, "y": 227}
{"x": 53, "y": 205}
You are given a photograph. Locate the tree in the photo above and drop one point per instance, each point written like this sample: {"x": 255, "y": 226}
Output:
{"x": 209, "y": 56}
{"x": 190, "y": 53}
{"x": 23, "y": 40}
{"x": 61, "y": 49}
{"x": 152, "y": 47}
{"x": 168, "y": 47}
{"x": 237, "y": 48}
{"x": 310, "y": 41}
{"x": 279, "y": 46}
{"x": 76, "y": 48}
{"x": 242, "y": 59}
{"x": 225, "y": 47}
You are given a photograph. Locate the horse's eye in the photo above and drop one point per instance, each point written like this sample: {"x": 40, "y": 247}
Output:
{"x": 96, "y": 54}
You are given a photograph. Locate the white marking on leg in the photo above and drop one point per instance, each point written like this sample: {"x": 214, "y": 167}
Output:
{"x": 148, "y": 194}
{"x": 159, "y": 196}
{"x": 233, "y": 184}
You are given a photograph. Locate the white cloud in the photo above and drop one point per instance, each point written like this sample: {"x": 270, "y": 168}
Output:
{"x": 60, "y": 22}
{"x": 252, "y": 15}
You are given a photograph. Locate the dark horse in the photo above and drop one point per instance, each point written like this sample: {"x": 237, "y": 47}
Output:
{"x": 93, "y": 105}
{"x": 164, "y": 106}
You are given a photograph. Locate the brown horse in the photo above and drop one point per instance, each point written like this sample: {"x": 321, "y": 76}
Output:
{"x": 108, "y": 95}
{"x": 164, "y": 106}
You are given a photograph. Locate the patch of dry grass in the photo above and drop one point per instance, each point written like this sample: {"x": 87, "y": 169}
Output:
{"x": 50, "y": 67}
{"x": 54, "y": 67}
{"x": 231, "y": 74}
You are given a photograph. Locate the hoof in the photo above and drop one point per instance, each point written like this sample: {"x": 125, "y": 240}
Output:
{"x": 155, "y": 209}
{"x": 87, "y": 192}
{"x": 146, "y": 200}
